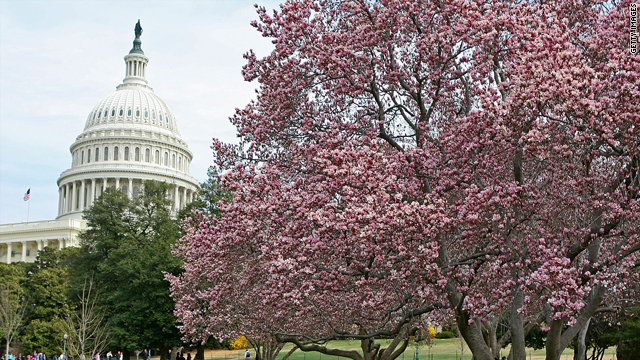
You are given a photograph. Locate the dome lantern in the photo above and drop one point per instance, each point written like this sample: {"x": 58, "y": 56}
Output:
{"x": 136, "y": 62}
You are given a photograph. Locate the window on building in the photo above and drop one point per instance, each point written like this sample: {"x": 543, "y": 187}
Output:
{"x": 82, "y": 159}
{"x": 160, "y": 117}
{"x": 157, "y": 157}
{"x": 166, "y": 159}
{"x": 124, "y": 189}
{"x": 135, "y": 193}
{"x": 137, "y": 113}
{"x": 115, "y": 153}
{"x": 105, "y": 113}
{"x": 129, "y": 112}
{"x": 84, "y": 202}
{"x": 173, "y": 161}
{"x": 97, "y": 154}
{"x": 146, "y": 113}
{"x": 88, "y": 156}
{"x": 147, "y": 155}
{"x": 27, "y": 252}
{"x": 137, "y": 154}
{"x": 106, "y": 153}
{"x": 180, "y": 163}
{"x": 120, "y": 112}
{"x": 126, "y": 153}
{"x": 113, "y": 112}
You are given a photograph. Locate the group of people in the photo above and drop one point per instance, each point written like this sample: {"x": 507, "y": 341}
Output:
{"x": 34, "y": 356}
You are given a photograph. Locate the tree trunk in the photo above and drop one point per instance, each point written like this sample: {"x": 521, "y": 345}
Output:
{"x": 174, "y": 353}
{"x": 472, "y": 334}
{"x": 580, "y": 352}
{"x": 200, "y": 352}
{"x": 493, "y": 336}
{"x": 518, "y": 348}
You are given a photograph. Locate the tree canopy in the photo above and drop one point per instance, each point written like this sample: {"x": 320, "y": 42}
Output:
{"x": 126, "y": 250}
{"x": 482, "y": 155}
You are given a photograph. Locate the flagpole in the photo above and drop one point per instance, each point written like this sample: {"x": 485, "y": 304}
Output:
{"x": 28, "y": 207}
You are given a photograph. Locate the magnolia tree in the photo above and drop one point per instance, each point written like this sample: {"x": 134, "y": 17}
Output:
{"x": 507, "y": 132}
{"x": 341, "y": 252}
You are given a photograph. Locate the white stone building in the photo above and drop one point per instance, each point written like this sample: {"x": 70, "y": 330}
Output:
{"x": 129, "y": 137}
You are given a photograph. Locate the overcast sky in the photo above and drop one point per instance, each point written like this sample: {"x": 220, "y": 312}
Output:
{"x": 58, "y": 59}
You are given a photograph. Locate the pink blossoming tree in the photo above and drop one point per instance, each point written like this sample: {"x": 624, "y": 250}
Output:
{"x": 407, "y": 155}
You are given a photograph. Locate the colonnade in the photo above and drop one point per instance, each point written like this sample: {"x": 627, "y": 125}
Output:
{"x": 79, "y": 195}
{"x": 11, "y": 251}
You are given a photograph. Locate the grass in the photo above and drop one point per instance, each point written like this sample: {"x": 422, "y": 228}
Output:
{"x": 440, "y": 349}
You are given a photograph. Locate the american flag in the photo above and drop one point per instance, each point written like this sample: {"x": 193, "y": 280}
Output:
{"x": 27, "y": 195}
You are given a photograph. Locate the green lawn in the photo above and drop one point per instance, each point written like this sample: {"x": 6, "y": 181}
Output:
{"x": 440, "y": 349}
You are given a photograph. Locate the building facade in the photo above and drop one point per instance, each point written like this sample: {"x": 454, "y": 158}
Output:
{"x": 130, "y": 136}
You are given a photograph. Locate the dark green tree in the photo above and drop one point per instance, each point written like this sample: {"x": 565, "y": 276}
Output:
{"x": 127, "y": 250}
{"x": 629, "y": 336}
{"x": 46, "y": 283}
{"x": 207, "y": 198}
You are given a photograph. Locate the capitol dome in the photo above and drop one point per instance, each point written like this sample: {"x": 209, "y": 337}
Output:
{"x": 133, "y": 108}
{"x": 130, "y": 136}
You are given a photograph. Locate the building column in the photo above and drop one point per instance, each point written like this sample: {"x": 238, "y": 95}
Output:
{"x": 130, "y": 189}
{"x": 60, "y": 200}
{"x": 176, "y": 200}
{"x": 74, "y": 196}
{"x": 93, "y": 191}
{"x": 66, "y": 199}
{"x": 184, "y": 198}
{"x": 24, "y": 251}
{"x": 83, "y": 189}
{"x": 45, "y": 242}
{"x": 9, "y": 250}
{"x": 39, "y": 243}
{"x": 104, "y": 185}
{"x": 117, "y": 183}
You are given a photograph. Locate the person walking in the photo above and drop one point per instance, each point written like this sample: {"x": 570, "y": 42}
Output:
{"x": 144, "y": 355}
{"x": 247, "y": 355}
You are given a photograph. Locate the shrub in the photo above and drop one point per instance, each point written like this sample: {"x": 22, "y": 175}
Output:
{"x": 239, "y": 343}
{"x": 445, "y": 335}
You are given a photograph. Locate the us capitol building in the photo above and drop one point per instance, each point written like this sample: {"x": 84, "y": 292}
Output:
{"x": 129, "y": 137}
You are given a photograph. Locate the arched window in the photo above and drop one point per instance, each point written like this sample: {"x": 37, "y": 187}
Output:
{"x": 180, "y": 163}
{"x": 113, "y": 112}
{"x": 97, "y": 153}
{"x": 126, "y": 153}
{"x": 137, "y": 154}
{"x": 120, "y": 112}
{"x": 157, "y": 157}
{"x": 106, "y": 153}
{"x": 129, "y": 112}
{"x": 105, "y": 113}
{"x": 137, "y": 112}
{"x": 135, "y": 193}
{"x": 146, "y": 113}
{"x": 173, "y": 161}
{"x": 115, "y": 153}
{"x": 147, "y": 154}
{"x": 88, "y": 156}
{"x": 124, "y": 189}
{"x": 82, "y": 158}
{"x": 166, "y": 159}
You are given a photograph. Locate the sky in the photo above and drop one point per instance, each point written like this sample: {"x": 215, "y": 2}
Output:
{"x": 58, "y": 59}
